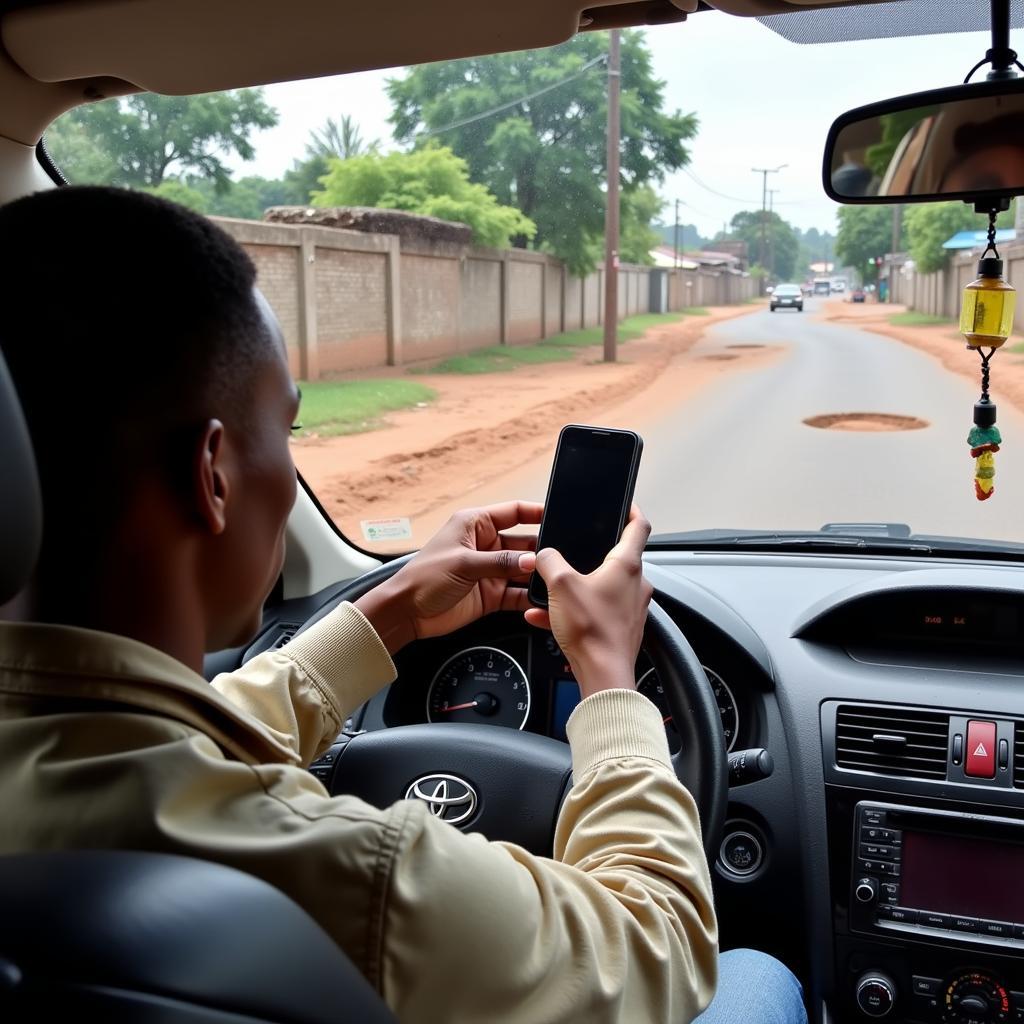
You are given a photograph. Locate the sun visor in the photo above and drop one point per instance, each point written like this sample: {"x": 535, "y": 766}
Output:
{"x": 191, "y": 46}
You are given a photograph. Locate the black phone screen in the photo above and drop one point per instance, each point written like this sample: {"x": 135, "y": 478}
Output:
{"x": 588, "y": 498}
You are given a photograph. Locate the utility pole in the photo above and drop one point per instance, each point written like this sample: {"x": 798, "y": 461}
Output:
{"x": 764, "y": 172}
{"x": 675, "y": 262}
{"x": 772, "y": 192}
{"x": 611, "y": 216}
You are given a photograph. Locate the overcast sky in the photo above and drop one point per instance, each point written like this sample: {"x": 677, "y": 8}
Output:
{"x": 762, "y": 101}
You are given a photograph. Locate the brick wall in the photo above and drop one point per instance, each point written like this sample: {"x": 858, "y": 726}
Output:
{"x": 351, "y": 309}
{"x": 349, "y": 300}
{"x": 278, "y": 272}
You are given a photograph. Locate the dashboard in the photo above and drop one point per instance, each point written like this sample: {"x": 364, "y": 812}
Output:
{"x": 869, "y": 680}
{"x": 502, "y": 673}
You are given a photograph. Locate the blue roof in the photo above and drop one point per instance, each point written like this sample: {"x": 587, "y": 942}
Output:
{"x": 977, "y": 239}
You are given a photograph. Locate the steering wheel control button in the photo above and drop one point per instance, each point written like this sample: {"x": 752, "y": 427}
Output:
{"x": 741, "y": 853}
{"x": 447, "y": 797}
{"x": 981, "y": 750}
{"x": 876, "y": 995}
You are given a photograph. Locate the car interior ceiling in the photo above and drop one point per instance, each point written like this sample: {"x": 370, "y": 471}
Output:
{"x": 865, "y": 852}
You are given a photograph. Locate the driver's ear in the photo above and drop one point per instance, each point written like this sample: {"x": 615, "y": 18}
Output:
{"x": 210, "y": 477}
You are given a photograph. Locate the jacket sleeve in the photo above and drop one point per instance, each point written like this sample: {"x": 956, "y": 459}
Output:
{"x": 303, "y": 692}
{"x": 618, "y": 927}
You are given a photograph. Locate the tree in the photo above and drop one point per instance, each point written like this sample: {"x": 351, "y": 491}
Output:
{"x": 929, "y": 225}
{"x": 865, "y": 232}
{"x": 544, "y": 151}
{"x": 78, "y": 155}
{"x": 180, "y": 192}
{"x": 340, "y": 138}
{"x": 432, "y": 181}
{"x": 815, "y": 247}
{"x": 637, "y": 237}
{"x": 782, "y": 245}
{"x": 150, "y": 138}
{"x": 246, "y": 198}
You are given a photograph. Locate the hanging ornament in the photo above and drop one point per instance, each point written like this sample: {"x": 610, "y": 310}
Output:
{"x": 986, "y": 320}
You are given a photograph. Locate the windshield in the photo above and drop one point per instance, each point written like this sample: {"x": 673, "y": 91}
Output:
{"x": 432, "y": 240}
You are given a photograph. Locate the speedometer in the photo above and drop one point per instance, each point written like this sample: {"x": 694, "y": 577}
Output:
{"x": 481, "y": 685}
{"x": 650, "y": 686}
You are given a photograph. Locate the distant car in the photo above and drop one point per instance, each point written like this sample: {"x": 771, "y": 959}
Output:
{"x": 857, "y": 295}
{"x": 807, "y": 288}
{"x": 769, "y": 289}
{"x": 788, "y": 296}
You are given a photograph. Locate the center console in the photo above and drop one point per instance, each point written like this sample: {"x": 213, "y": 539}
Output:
{"x": 927, "y": 878}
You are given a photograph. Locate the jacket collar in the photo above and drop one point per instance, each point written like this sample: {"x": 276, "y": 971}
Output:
{"x": 57, "y": 664}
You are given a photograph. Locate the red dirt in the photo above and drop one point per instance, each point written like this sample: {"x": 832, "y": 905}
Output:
{"x": 482, "y": 426}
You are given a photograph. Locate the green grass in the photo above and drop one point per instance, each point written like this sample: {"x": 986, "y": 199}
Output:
{"x": 331, "y": 407}
{"x": 498, "y": 359}
{"x": 914, "y": 319}
{"x": 556, "y": 349}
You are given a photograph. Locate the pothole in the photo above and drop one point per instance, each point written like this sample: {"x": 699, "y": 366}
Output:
{"x": 744, "y": 346}
{"x": 865, "y": 422}
{"x": 720, "y": 357}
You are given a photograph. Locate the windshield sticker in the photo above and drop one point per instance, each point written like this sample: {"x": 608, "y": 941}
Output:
{"x": 394, "y": 528}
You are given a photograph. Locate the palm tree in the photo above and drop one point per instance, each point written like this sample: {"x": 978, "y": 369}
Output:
{"x": 339, "y": 138}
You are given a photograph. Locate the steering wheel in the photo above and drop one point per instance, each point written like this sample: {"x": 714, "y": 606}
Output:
{"x": 508, "y": 784}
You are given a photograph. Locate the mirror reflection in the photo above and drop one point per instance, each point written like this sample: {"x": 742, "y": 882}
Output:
{"x": 971, "y": 144}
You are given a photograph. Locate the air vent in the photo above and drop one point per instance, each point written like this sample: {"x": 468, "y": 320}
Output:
{"x": 892, "y": 741}
{"x": 288, "y": 630}
{"x": 1018, "y": 754}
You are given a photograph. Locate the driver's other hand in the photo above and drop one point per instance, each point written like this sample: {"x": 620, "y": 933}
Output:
{"x": 598, "y": 620}
{"x": 468, "y": 569}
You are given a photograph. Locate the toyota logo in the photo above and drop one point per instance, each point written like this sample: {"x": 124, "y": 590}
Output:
{"x": 447, "y": 796}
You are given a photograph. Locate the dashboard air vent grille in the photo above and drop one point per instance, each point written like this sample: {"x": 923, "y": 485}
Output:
{"x": 1018, "y": 754}
{"x": 892, "y": 741}
{"x": 288, "y": 630}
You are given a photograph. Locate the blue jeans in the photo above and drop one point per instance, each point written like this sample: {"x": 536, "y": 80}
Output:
{"x": 754, "y": 988}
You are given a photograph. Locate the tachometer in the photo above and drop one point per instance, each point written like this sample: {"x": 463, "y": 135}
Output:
{"x": 650, "y": 686}
{"x": 481, "y": 685}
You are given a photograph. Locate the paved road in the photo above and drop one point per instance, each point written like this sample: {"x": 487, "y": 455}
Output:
{"x": 739, "y": 455}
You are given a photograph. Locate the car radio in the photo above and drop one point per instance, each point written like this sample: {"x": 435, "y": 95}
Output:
{"x": 945, "y": 875}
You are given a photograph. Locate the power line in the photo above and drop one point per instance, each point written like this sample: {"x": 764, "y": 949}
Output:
{"x": 514, "y": 103}
{"x": 736, "y": 199}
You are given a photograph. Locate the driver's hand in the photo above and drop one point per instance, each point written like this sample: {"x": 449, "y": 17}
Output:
{"x": 598, "y": 620}
{"x": 461, "y": 574}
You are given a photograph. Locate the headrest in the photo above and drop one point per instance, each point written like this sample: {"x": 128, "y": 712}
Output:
{"x": 21, "y": 506}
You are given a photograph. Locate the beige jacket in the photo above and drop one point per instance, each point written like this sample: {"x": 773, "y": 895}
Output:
{"x": 108, "y": 743}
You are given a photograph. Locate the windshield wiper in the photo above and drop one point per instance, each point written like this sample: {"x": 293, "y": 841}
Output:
{"x": 868, "y": 538}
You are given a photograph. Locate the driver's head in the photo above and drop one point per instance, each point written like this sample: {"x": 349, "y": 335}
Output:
{"x": 157, "y": 393}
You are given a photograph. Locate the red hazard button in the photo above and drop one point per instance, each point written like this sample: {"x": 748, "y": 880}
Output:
{"x": 981, "y": 750}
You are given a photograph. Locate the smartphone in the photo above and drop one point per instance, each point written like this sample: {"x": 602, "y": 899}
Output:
{"x": 589, "y": 495}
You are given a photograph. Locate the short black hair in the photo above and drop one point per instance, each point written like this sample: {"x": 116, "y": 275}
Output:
{"x": 125, "y": 318}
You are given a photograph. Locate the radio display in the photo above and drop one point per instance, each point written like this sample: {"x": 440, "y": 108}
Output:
{"x": 962, "y": 876}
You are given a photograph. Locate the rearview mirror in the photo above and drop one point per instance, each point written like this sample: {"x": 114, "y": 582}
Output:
{"x": 964, "y": 142}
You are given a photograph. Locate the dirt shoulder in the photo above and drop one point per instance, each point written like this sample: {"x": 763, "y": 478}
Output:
{"x": 483, "y": 426}
{"x": 944, "y": 342}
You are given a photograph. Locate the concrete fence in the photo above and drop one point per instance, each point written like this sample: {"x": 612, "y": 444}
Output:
{"x": 939, "y": 292}
{"x": 349, "y": 300}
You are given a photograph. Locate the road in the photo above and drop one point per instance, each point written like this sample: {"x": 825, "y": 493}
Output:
{"x": 738, "y": 454}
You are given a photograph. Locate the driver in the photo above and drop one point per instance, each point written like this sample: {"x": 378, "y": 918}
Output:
{"x": 156, "y": 389}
